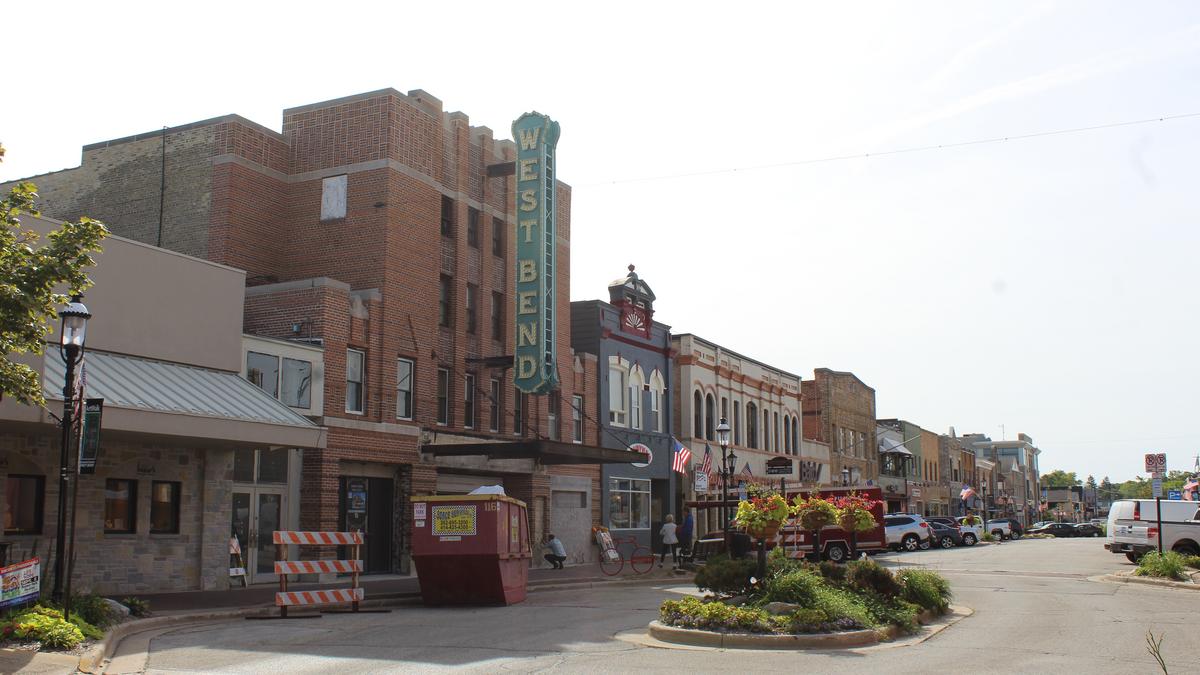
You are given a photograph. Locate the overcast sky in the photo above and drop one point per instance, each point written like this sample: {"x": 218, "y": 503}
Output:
{"x": 1045, "y": 284}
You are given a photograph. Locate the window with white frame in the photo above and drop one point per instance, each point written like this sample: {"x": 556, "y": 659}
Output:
{"x": 629, "y": 503}
{"x": 355, "y": 392}
{"x": 656, "y": 400}
{"x": 577, "y": 419}
{"x": 554, "y": 415}
{"x": 618, "y": 393}
{"x": 636, "y": 386}
{"x": 404, "y": 389}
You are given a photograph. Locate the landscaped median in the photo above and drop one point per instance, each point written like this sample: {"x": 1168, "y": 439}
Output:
{"x": 1169, "y": 569}
{"x": 802, "y": 605}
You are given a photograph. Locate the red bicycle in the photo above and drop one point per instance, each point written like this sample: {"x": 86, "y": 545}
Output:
{"x": 612, "y": 561}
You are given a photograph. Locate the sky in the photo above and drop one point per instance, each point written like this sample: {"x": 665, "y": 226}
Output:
{"x": 1042, "y": 285}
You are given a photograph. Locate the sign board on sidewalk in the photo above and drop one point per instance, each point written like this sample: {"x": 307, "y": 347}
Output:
{"x": 1156, "y": 484}
{"x": 1175, "y": 494}
{"x": 20, "y": 583}
{"x": 701, "y": 481}
{"x": 1156, "y": 462}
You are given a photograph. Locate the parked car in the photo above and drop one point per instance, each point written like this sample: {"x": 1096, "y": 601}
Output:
{"x": 907, "y": 531}
{"x": 944, "y": 535}
{"x": 971, "y": 532}
{"x": 1088, "y": 530}
{"x": 1039, "y": 523}
{"x": 1133, "y": 527}
{"x": 1098, "y": 521}
{"x": 1000, "y": 529}
{"x": 1056, "y": 529}
{"x": 1015, "y": 527}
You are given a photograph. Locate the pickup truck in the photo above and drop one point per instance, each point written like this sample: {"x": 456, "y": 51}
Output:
{"x": 1133, "y": 527}
{"x": 1000, "y": 529}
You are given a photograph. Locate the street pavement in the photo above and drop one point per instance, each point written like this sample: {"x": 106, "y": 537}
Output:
{"x": 1035, "y": 611}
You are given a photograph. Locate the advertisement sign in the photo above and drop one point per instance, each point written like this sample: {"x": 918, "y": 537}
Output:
{"x": 454, "y": 520}
{"x": 535, "y": 356}
{"x": 89, "y": 436}
{"x": 19, "y": 583}
{"x": 701, "y": 481}
{"x": 645, "y": 450}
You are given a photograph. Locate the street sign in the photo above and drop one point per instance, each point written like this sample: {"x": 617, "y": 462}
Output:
{"x": 1156, "y": 484}
{"x": 1156, "y": 462}
{"x": 1175, "y": 494}
{"x": 780, "y": 466}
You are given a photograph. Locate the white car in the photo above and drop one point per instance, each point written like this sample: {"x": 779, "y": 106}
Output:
{"x": 1133, "y": 527}
{"x": 907, "y": 531}
{"x": 970, "y": 533}
{"x": 1000, "y": 529}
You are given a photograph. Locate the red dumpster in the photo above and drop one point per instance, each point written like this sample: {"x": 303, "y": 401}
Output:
{"x": 471, "y": 549}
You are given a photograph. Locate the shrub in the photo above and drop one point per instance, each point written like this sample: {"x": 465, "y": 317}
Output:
{"x": 45, "y": 625}
{"x": 137, "y": 606}
{"x": 1169, "y": 565}
{"x": 868, "y": 575}
{"x": 900, "y": 613}
{"x": 987, "y": 536}
{"x": 695, "y": 613}
{"x": 722, "y": 575}
{"x": 1192, "y": 561}
{"x": 807, "y": 588}
{"x": 924, "y": 588}
{"x": 832, "y": 571}
{"x": 94, "y": 609}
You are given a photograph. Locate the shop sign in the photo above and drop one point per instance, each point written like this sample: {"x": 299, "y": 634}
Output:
{"x": 780, "y": 466}
{"x": 535, "y": 355}
{"x": 20, "y": 583}
{"x": 454, "y": 520}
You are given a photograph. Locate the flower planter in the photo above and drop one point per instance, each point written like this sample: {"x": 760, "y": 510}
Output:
{"x": 767, "y": 530}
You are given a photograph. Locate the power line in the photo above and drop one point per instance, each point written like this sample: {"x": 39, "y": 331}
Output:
{"x": 899, "y": 151}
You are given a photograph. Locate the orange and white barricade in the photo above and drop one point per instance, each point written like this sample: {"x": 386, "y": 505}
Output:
{"x": 316, "y": 597}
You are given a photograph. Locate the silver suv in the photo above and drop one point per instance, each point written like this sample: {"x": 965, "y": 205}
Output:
{"x": 907, "y": 531}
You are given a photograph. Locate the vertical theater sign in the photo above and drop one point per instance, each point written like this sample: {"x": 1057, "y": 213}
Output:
{"x": 535, "y": 357}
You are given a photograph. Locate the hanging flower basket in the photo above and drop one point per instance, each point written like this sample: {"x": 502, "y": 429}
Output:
{"x": 761, "y": 516}
{"x": 856, "y": 513}
{"x": 766, "y": 530}
{"x": 815, "y": 513}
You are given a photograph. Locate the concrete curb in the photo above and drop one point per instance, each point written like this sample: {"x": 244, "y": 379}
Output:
{"x": 94, "y": 659}
{"x": 848, "y": 639}
{"x": 1128, "y": 578}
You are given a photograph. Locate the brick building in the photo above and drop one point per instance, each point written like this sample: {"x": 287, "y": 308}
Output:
{"x": 382, "y": 229}
{"x": 839, "y": 409}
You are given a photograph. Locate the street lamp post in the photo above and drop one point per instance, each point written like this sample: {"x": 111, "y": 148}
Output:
{"x": 723, "y": 441}
{"x": 845, "y": 477}
{"x": 74, "y": 327}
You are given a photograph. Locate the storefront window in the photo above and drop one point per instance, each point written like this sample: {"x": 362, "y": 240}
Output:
{"x": 164, "y": 507}
{"x": 629, "y": 503}
{"x": 120, "y": 506}
{"x": 24, "y": 496}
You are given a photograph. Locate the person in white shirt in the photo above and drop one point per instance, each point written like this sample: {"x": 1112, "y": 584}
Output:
{"x": 670, "y": 541}
{"x": 557, "y": 554}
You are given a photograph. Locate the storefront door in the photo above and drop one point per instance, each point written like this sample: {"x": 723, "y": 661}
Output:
{"x": 257, "y": 513}
{"x": 367, "y": 506}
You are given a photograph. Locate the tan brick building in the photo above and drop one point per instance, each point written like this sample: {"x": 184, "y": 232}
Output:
{"x": 839, "y": 409}
{"x": 378, "y": 227}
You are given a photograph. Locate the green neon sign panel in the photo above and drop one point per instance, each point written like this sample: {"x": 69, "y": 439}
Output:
{"x": 536, "y": 355}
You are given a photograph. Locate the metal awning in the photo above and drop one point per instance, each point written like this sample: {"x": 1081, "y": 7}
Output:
{"x": 172, "y": 399}
{"x": 889, "y": 447}
{"x": 548, "y": 452}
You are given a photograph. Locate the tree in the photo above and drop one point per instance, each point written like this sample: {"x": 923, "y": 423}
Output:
{"x": 1107, "y": 491}
{"x": 29, "y": 275}
{"x": 1059, "y": 479}
{"x": 1139, "y": 488}
{"x": 1091, "y": 481}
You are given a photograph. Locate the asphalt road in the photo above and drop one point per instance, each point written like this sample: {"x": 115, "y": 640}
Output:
{"x": 1035, "y": 612}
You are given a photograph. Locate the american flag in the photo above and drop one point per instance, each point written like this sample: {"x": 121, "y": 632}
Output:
{"x": 967, "y": 493}
{"x": 747, "y": 470}
{"x": 706, "y": 466}
{"x": 683, "y": 457}
{"x": 1189, "y": 489}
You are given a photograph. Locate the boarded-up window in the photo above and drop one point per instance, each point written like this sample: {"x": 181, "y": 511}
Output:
{"x": 333, "y": 197}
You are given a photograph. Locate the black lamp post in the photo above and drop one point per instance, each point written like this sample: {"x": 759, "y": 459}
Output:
{"x": 74, "y": 326}
{"x": 845, "y": 477}
{"x": 723, "y": 441}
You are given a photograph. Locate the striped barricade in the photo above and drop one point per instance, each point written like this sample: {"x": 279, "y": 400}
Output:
{"x": 285, "y": 598}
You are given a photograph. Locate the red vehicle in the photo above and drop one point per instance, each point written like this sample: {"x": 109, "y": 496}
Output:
{"x": 835, "y": 542}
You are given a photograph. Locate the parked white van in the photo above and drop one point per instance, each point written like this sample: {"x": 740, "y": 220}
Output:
{"x": 1133, "y": 527}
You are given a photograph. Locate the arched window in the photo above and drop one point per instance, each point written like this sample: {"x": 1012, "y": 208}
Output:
{"x": 656, "y": 401}
{"x": 787, "y": 436}
{"x": 775, "y": 430}
{"x": 725, "y": 408}
{"x": 751, "y": 425}
{"x": 766, "y": 430}
{"x": 698, "y": 415}
{"x": 795, "y": 436}
{"x": 708, "y": 417}
{"x": 618, "y": 393}
{"x": 737, "y": 422}
{"x": 637, "y": 384}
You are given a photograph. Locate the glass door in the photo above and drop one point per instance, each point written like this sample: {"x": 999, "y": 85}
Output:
{"x": 257, "y": 513}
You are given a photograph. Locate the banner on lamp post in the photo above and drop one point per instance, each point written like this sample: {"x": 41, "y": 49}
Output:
{"x": 89, "y": 435}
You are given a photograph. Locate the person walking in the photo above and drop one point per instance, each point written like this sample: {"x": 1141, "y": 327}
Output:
{"x": 685, "y": 532}
{"x": 669, "y": 540}
{"x": 557, "y": 554}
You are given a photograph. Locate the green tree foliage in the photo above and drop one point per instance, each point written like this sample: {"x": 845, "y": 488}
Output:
{"x": 1091, "y": 481}
{"x": 29, "y": 275}
{"x": 1059, "y": 479}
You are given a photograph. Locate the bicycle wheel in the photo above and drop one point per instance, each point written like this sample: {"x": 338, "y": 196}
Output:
{"x": 611, "y": 566}
{"x": 642, "y": 560}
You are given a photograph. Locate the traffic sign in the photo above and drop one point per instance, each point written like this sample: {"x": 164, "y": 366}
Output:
{"x": 1156, "y": 484}
{"x": 1156, "y": 462}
